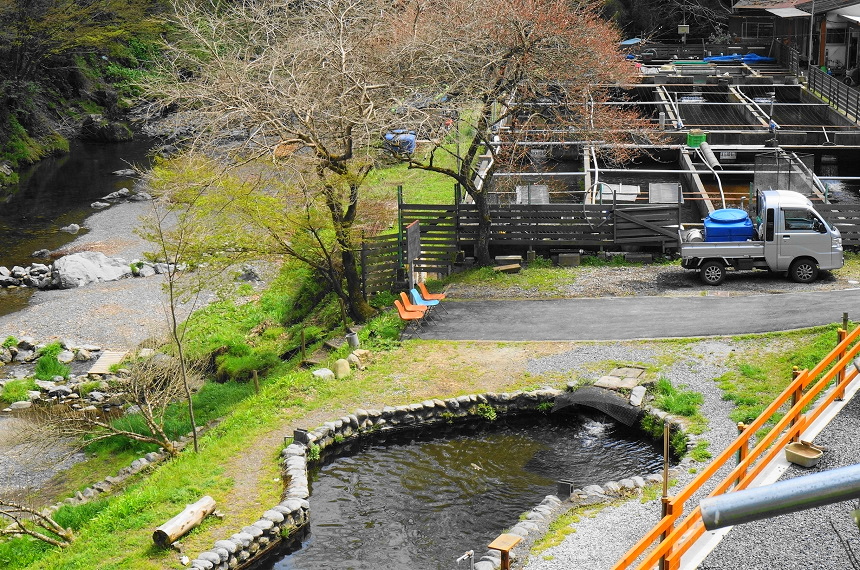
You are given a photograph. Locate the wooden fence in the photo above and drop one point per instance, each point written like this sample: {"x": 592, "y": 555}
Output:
{"x": 673, "y": 536}
{"x": 380, "y": 263}
{"x": 845, "y": 217}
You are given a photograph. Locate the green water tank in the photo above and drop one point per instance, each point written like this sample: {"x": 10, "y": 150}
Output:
{"x": 696, "y": 137}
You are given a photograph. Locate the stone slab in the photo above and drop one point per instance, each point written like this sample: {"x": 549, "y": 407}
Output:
{"x": 615, "y": 383}
{"x": 568, "y": 259}
{"x": 627, "y": 372}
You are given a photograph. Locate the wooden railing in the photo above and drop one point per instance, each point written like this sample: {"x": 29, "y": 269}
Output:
{"x": 675, "y": 538}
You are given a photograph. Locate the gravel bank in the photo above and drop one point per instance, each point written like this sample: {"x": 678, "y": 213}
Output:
{"x": 115, "y": 315}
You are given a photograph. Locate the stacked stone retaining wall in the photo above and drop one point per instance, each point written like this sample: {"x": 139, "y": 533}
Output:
{"x": 292, "y": 513}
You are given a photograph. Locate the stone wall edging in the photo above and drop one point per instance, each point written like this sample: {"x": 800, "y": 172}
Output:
{"x": 293, "y": 512}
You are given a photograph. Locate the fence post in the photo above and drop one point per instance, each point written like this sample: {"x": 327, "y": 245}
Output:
{"x": 668, "y": 508}
{"x": 363, "y": 265}
{"x": 795, "y": 398}
{"x": 743, "y": 451}
{"x": 840, "y": 338}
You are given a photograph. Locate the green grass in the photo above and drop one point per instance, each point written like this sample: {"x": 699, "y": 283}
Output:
{"x": 16, "y": 390}
{"x": 212, "y": 401}
{"x": 677, "y": 401}
{"x": 47, "y": 367}
{"x": 758, "y": 377}
{"x": 700, "y": 452}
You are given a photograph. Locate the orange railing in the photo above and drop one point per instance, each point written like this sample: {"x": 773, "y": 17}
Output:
{"x": 676, "y": 539}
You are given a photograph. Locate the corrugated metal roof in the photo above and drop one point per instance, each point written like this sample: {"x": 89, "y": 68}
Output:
{"x": 822, "y": 6}
{"x": 767, "y": 4}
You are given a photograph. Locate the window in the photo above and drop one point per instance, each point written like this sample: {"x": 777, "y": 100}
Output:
{"x": 757, "y": 28}
{"x": 800, "y": 219}
{"x": 836, "y": 36}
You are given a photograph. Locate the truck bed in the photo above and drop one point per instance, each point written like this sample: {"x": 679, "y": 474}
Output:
{"x": 702, "y": 249}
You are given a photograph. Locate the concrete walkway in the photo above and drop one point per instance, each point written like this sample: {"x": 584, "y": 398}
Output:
{"x": 627, "y": 318}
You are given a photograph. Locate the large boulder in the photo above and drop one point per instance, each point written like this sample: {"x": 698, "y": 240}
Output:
{"x": 99, "y": 129}
{"x": 87, "y": 267}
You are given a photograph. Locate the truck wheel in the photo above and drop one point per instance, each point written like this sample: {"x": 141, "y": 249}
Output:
{"x": 712, "y": 272}
{"x": 803, "y": 271}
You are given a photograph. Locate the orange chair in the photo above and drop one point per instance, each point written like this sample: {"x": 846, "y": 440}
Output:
{"x": 410, "y": 306}
{"x": 428, "y": 295}
{"x": 413, "y": 319}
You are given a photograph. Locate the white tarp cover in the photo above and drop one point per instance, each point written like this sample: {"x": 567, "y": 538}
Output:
{"x": 788, "y": 12}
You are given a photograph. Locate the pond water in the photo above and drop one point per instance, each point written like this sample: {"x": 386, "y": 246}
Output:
{"x": 58, "y": 191}
{"x": 422, "y": 500}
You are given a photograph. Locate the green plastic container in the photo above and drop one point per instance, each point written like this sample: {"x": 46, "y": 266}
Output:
{"x": 696, "y": 137}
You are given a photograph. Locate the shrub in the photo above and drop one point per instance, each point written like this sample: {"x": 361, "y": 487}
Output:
{"x": 486, "y": 411}
{"x": 383, "y": 300}
{"x": 313, "y": 452}
{"x": 10, "y": 342}
{"x": 540, "y": 263}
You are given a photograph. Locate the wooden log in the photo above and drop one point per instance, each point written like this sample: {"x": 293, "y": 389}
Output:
{"x": 178, "y": 526}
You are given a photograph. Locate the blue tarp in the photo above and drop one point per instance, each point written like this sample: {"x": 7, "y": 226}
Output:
{"x": 746, "y": 58}
{"x": 631, "y": 42}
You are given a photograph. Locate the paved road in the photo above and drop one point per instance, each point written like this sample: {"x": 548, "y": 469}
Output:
{"x": 627, "y": 318}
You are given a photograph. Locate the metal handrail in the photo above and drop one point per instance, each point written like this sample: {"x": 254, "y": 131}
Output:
{"x": 680, "y": 538}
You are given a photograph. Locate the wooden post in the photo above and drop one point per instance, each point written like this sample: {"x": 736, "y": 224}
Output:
{"x": 665, "y": 504}
{"x": 178, "y": 526}
{"x": 504, "y": 543}
{"x": 743, "y": 451}
{"x": 304, "y": 352}
{"x": 256, "y": 382}
{"x": 795, "y": 398}
{"x": 840, "y": 374}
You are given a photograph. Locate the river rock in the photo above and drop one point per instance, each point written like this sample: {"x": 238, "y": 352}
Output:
{"x": 125, "y": 172}
{"x": 99, "y": 205}
{"x": 71, "y": 229}
{"x": 140, "y": 197}
{"x": 4, "y": 271}
{"x": 99, "y": 129}
{"x": 341, "y": 368}
{"x": 41, "y": 253}
{"x": 9, "y": 281}
{"x": 118, "y": 196}
{"x": 66, "y": 356}
{"x": 80, "y": 269}
{"x": 20, "y": 405}
{"x": 83, "y": 355}
{"x": 26, "y": 343}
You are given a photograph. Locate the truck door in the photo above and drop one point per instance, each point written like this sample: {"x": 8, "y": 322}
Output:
{"x": 800, "y": 235}
{"x": 768, "y": 236}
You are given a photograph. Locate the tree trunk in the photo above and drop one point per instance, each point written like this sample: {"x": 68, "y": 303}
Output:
{"x": 175, "y": 528}
{"x": 482, "y": 244}
{"x": 359, "y": 308}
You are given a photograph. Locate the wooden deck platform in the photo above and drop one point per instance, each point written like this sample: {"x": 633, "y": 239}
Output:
{"x": 107, "y": 359}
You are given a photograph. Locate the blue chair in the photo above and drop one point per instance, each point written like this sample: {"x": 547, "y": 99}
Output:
{"x": 417, "y": 299}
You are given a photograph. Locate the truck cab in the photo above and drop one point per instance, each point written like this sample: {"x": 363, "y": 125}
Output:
{"x": 796, "y": 237}
{"x": 790, "y": 235}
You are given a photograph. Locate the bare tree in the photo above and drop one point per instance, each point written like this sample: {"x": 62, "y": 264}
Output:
{"x": 508, "y": 70}
{"x": 306, "y": 82}
{"x": 151, "y": 385}
{"x": 27, "y": 521}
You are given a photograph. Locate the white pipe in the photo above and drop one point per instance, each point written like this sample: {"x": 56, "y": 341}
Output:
{"x": 717, "y": 176}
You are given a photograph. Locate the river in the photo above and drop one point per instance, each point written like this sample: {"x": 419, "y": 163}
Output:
{"x": 54, "y": 193}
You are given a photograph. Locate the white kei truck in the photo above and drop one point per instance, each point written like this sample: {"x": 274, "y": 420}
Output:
{"x": 787, "y": 234}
